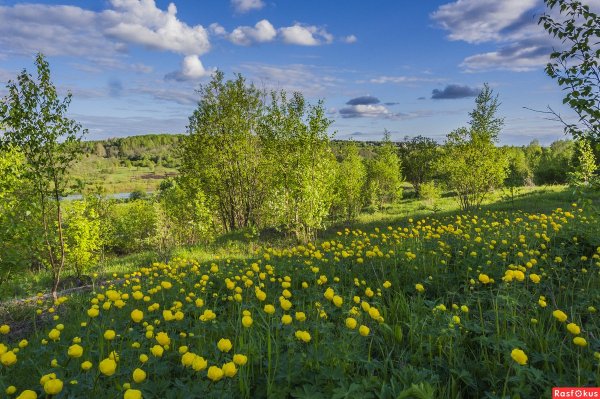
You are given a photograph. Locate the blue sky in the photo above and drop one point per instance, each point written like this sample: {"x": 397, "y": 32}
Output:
{"x": 411, "y": 67}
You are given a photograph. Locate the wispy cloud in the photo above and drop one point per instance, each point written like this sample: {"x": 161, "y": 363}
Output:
{"x": 522, "y": 44}
{"x": 244, "y": 6}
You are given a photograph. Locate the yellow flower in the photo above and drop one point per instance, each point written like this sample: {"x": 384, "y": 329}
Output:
{"x": 286, "y": 319}
{"x": 107, "y": 367}
{"x": 300, "y": 316}
{"x": 93, "y": 312}
{"x": 109, "y": 335}
{"x": 224, "y": 345}
{"x": 419, "y": 287}
{"x": 387, "y": 284}
{"x": 137, "y": 315}
{"x": 27, "y": 394}
{"x": 4, "y": 329}
{"x": 199, "y": 363}
{"x": 215, "y": 373}
{"x": 534, "y": 278}
{"x": 484, "y": 278}
{"x": 270, "y": 309}
{"x": 351, "y": 323}
{"x": 75, "y": 351}
{"x": 247, "y": 321}
{"x": 229, "y": 369}
{"x": 23, "y": 343}
{"x": 573, "y": 328}
{"x": 143, "y": 358}
{"x": 303, "y": 336}
{"x": 338, "y": 301}
{"x": 53, "y": 386}
{"x": 579, "y": 341}
{"x": 560, "y": 315}
{"x": 187, "y": 359}
{"x": 363, "y": 330}
{"x": 85, "y": 366}
{"x": 157, "y": 350}
{"x": 139, "y": 375}
{"x": 464, "y": 309}
{"x": 132, "y": 394}
{"x": 8, "y": 359}
{"x": 239, "y": 359}
{"x": 163, "y": 338}
{"x": 10, "y": 390}
{"x": 54, "y": 334}
{"x": 519, "y": 356}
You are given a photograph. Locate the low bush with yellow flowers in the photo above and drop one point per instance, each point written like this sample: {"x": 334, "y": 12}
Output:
{"x": 489, "y": 303}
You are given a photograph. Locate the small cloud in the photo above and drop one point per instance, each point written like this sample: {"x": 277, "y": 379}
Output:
{"x": 305, "y": 35}
{"x": 349, "y": 39}
{"x": 421, "y": 98}
{"x": 115, "y": 88}
{"x": 365, "y": 111}
{"x": 217, "y": 30}
{"x": 191, "y": 69}
{"x": 244, "y": 6}
{"x": 363, "y": 100}
{"x": 262, "y": 32}
{"x": 452, "y": 92}
{"x": 390, "y": 104}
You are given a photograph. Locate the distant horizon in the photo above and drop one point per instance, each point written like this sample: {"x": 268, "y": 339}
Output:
{"x": 411, "y": 68}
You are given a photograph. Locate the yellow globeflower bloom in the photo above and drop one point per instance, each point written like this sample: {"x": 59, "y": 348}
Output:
{"x": 300, "y": 316}
{"x": 163, "y": 338}
{"x": 137, "y": 315}
{"x": 4, "y": 329}
{"x": 579, "y": 341}
{"x": 351, "y": 323}
{"x": 224, "y": 345}
{"x": 419, "y": 287}
{"x": 338, "y": 301}
{"x": 139, "y": 375}
{"x": 560, "y": 315}
{"x": 85, "y": 366}
{"x": 8, "y": 359}
{"x": 199, "y": 363}
{"x": 53, "y": 386}
{"x": 270, "y": 309}
{"x": 229, "y": 369}
{"x": 54, "y": 334}
{"x": 107, "y": 367}
{"x": 157, "y": 350}
{"x": 239, "y": 359}
{"x": 286, "y": 319}
{"x": 519, "y": 356}
{"x": 93, "y": 312}
{"x": 10, "y": 390}
{"x": 27, "y": 394}
{"x": 363, "y": 330}
{"x": 247, "y": 321}
{"x": 75, "y": 351}
{"x": 187, "y": 359}
{"x": 215, "y": 373}
{"x": 484, "y": 278}
{"x": 573, "y": 328}
{"x": 109, "y": 335}
{"x": 132, "y": 394}
{"x": 535, "y": 278}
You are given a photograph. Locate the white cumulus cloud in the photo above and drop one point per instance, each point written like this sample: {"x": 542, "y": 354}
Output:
{"x": 262, "y": 32}
{"x": 191, "y": 69}
{"x": 303, "y": 35}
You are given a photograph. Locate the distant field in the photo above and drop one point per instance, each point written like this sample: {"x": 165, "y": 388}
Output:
{"x": 115, "y": 178}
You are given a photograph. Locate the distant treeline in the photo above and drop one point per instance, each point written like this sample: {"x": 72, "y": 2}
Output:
{"x": 145, "y": 150}
{"x": 536, "y": 163}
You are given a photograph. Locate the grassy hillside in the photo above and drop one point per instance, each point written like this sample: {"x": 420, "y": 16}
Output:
{"x": 402, "y": 303}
